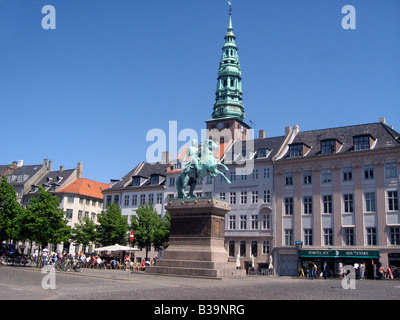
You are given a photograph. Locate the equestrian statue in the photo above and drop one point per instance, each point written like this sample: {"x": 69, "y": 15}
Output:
{"x": 201, "y": 163}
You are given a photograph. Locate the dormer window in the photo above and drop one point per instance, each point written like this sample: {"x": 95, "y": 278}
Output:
{"x": 363, "y": 142}
{"x": 155, "y": 179}
{"x": 262, "y": 153}
{"x": 330, "y": 146}
{"x": 136, "y": 181}
{"x": 298, "y": 150}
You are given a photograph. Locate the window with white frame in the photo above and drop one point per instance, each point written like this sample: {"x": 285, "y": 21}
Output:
{"x": 222, "y": 195}
{"x": 266, "y": 247}
{"x": 288, "y": 179}
{"x": 370, "y": 201}
{"x": 254, "y": 221}
{"x": 266, "y": 221}
{"x": 328, "y": 237}
{"x": 371, "y": 236}
{"x": 243, "y": 197}
{"x": 369, "y": 172}
{"x": 327, "y": 203}
{"x": 267, "y": 196}
{"x": 394, "y": 236}
{"x": 243, "y": 222}
{"x": 232, "y": 198}
{"x": 126, "y": 200}
{"x": 391, "y": 169}
{"x": 307, "y": 205}
{"x": 308, "y": 237}
{"x": 326, "y": 175}
{"x": 232, "y": 222}
{"x": 348, "y": 203}
{"x": 134, "y": 200}
{"x": 288, "y": 237}
{"x": 349, "y": 237}
{"x": 288, "y": 206}
{"x": 307, "y": 177}
{"x": 254, "y": 196}
{"x": 393, "y": 200}
{"x": 347, "y": 174}
{"x": 159, "y": 198}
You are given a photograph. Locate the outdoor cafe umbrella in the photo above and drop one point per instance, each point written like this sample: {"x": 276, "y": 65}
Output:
{"x": 116, "y": 247}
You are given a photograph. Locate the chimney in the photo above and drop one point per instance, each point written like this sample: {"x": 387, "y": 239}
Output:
{"x": 20, "y": 163}
{"x": 165, "y": 157}
{"x": 50, "y": 165}
{"x": 45, "y": 162}
{"x": 288, "y": 130}
{"x": 62, "y": 168}
{"x": 382, "y": 120}
{"x": 261, "y": 134}
{"x": 296, "y": 128}
{"x": 79, "y": 170}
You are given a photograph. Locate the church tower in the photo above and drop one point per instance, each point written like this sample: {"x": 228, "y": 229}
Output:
{"x": 228, "y": 108}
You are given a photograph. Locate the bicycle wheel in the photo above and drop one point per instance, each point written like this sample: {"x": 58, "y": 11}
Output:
{"x": 78, "y": 266}
{"x": 66, "y": 266}
{"x": 10, "y": 261}
{"x": 28, "y": 261}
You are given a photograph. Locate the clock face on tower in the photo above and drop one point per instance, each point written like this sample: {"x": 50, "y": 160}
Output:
{"x": 220, "y": 126}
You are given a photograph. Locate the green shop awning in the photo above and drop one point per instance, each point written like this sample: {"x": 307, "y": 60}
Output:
{"x": 339, "y": 253}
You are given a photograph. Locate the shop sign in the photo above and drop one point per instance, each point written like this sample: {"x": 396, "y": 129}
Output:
{"x": 339, "y": 253}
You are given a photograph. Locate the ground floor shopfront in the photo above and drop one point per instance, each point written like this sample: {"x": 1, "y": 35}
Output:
{"x": 290, "y": 261}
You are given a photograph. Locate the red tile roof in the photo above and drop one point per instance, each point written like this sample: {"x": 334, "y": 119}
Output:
{"x": 85, "y": 187}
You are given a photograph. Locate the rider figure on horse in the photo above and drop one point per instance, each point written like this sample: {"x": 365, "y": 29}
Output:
{"x": 193, "y": 152}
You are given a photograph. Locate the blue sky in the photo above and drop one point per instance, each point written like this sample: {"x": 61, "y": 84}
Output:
{"x": 90, "y": 90}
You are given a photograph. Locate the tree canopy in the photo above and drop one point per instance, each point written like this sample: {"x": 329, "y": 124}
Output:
{"x": 112, "y": 227}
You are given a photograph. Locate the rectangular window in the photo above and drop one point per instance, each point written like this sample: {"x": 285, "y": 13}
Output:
{"x": 254, "y": 221}
{"x": 267, "y": 196}
{"x": 254, "y": 250}
{"x": 242, "y": 248}
{"x": 134, "y": 200}
{"x": 347, "y": 173}
{"x": 142, "y": 198}
{"x": 348, "y": 203}
{"x": 172, "y": 181}
{"x": 222, "y": 196}
{"x": 159, "y": 198}
{"x": 231, "y": 250}
{"x": 307, "y": 205}
{"x": 307, "y": 177}
{"x": 232, "y": 222}
{"x": 370, "y": 203}
{"x": 371, "y": 236}
{"x": 289, "y": 206}
{"x": 391, "y": 169}
{"x": 243, "y": 197}
{"x": 69, "y": 214}
{"x": 243, "y": 222}
{"x": 327, "y": 203}
{"x": 288, "y": 179}
{"x": 295, "y": 150}
{"x": 232, "y": 198}
{"x": 126, "y": 200}
{"x": 151, "y": 198}
{"x": 328, "y": 237}
{"x": 328, "y": 146}
{"x": 116, "y": 199}
{"x": 368, "y": 172}
{"x": 394, "y": 236}
{"x": 349, "y": 237}
{"x": 266, "y": 249}
{"x": 254, "y": 175}
{"x": 308, "y": 237}
{"x": 254, "y": 196}
{"x": 326, "y": 175}
{"x": 361, "y": 143}
{"x": 393, "y": 201}
{"x": 288, "y": 237}
{"x": 266, "y": 222}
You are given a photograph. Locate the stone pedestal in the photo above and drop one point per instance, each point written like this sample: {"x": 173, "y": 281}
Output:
{"x": 196, "y": 242}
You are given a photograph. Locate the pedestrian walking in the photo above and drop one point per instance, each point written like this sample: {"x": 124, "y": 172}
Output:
{"x": 325, "y": 270}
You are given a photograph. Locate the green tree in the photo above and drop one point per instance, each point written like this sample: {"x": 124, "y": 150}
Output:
{"x": 150, "y": 228}
{"x": 10, "y": 209}
{"x": 112, "y": 227}
{"x": 84, "y": 232}
{"x": 43, "y": 222}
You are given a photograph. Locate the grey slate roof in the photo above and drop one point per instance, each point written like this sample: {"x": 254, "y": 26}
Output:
{"x": 25, "y": 173}
{"x": 53, "y": 178}
{"x": 144, "y": 170}
{"x": 384, "y": 136}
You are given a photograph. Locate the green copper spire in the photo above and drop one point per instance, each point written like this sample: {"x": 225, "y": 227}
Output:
{"x": 229, "y": 86}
